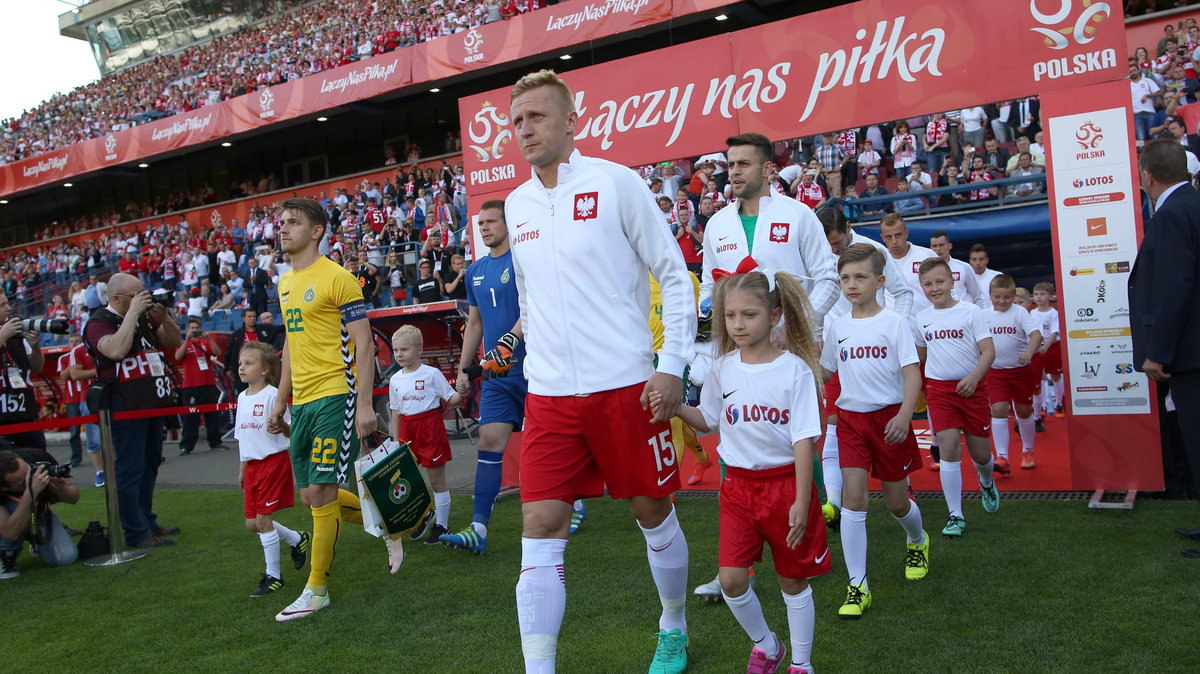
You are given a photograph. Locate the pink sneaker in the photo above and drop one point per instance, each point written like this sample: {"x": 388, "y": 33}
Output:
{"x": 761, "y": 664}
{"x": 793, "y": 669}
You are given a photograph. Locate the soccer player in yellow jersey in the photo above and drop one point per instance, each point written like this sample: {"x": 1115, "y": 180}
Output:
{"x": 682, "y": 435}
{"x": 329, "y": 351}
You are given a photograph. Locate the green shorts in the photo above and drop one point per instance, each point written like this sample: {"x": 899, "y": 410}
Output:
{"x": 324, "y": 440}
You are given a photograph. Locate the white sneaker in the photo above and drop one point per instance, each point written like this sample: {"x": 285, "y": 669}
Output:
{"x": 710, "y": 591}
{"x": 395, "y": 553}
{"x": 305, "y": 605}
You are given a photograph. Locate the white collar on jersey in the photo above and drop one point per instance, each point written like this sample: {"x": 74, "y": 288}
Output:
{"x": 565, "y": 169}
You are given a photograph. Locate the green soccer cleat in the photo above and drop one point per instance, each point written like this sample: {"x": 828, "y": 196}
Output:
{"x": 955, "y": 527}
{"x": 267, "y": 585}
{"x": 833, "y": 516}
{"x": 300, "y": 550}
{"x": 990, "y": 496}
{"x": 670, "y": 657}
{"x": 858, "y": 600}
{"x": 916, "y": 559}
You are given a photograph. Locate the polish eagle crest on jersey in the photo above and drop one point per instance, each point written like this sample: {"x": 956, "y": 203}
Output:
{"x": 780, "y": 231}
{"x": 586, "y": 206}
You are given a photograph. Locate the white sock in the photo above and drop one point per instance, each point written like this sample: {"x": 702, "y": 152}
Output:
{"x": 1028, "y": 428}
{"x": 1000, "y": 436}
{"x": 480, "y": 528}
{"x": 854, "y": 545}
{"x": 912, "y": 522}
{"x": 802, "y": 618}
{"x": 831, "y": 467}
{"x": 578, "y": 504}
{"x": 986, "y": 478}
{"x": 270, "y": 545}
{"x": 667, "y": 550}
{"x": 441, "y": 507}
{"x": 749, "y": 614}
{"x": 287, "y": 535}
{"x": 541, "y": 601}
{"x": 1059, "y": 392}
{"x": 1038, "y": 408}
{"x": 933, "y": 438}
{"x": 951, "y": 475}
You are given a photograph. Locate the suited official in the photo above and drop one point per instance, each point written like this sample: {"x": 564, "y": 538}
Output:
{"x": 251, "y": 331}
{"x": 1164, "y": 300}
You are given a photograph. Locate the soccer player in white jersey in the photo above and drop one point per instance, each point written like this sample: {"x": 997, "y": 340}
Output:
{"x": 983, "y": 276}
{"x": 908, "y": 257}
{"x": 873, "y": 352}
{"x": 1013, "y": 378}
{"x": 958, "y": 344}
{"x": 587, "y": 418}
{"x": 841, "y": 236}
{"x": 965, "y": 285}
{"x": 764, "y": 401}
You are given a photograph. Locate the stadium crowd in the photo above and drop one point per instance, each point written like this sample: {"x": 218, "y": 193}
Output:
{"x": 309, "y": 40}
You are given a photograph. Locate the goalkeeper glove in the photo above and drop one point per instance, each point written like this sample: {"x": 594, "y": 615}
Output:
{"x": 498, "y": 361}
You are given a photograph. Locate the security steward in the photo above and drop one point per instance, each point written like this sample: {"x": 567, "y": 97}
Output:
{"x": 126, "y": 339}
{"x": 20, "y": 357}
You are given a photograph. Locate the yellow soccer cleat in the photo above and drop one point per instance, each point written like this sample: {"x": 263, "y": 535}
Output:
{"x": 916, "y": 559}
{"x": 858, "y": 600}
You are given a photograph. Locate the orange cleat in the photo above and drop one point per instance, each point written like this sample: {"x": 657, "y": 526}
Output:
{"x": 697, "y": 475}
{"x": 1027, "y": 462}
{"x": 934, "y": 466}
{"x": 1001, "y": 466}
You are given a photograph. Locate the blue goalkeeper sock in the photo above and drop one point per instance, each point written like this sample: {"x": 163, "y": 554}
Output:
{"x": 487, "y": 484}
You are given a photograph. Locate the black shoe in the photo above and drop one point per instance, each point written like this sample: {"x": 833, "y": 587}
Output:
{"x": 160, "y": 530}
{"x": 266, "y": 586}
{"x": 1039, "y": 425}
{"x": 153, "y": 541}
{"x": 423, "y": 528}
{"x": 435, "y": 534}
{"x": 8, "y": 565}
{"x": 1194, "y": 553}
{"x": 1190, "y": 534}
{"x": 184, "y": 452}
{"x": 300, "y": 550}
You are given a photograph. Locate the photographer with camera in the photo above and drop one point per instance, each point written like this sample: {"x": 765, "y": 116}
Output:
{"x": 31, "y": 480}
{"x": 20, "y": 358}
{"x": 126, "y": 339}
{"x": 199, "y": 354}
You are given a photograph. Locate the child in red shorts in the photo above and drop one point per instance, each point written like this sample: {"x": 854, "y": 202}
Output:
{"x": 1014, "y": 374}
{"x": 265, "y": 473}
{"x": 872, "y": 351}
{"x": 765, "y": 403}
{"x": 415, "y": 395}
{"x": 1050, "y": 350}
{"x": 958, "y": 344}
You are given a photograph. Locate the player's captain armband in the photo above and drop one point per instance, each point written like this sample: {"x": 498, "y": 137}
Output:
{"x": 353, "y": 311}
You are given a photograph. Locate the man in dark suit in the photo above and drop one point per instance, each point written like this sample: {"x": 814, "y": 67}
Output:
{"x": 251, "y": 331}
{"x": 1164, "y": 294}
{"x": 1189, "y": 141}
{"x": 1029, "y": 116}
{"x": 994, "y": 155}
{"x": 257, "y": 282}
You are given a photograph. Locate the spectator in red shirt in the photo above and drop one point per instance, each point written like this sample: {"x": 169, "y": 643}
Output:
{"x": 690, "y": 237}
{"x": 807, "y": 191}
{"x": 199, "y": 354}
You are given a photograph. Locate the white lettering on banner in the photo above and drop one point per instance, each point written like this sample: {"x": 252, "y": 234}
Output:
{"x": 750, "y": 92}
{"x": 595, "y": 12}
{"x": 622, "y": 116}
{"x": 835, "y": 69}
{"x": 43, "y": 165}
{"x": 190, "y": 124}
{"x": 357, "y": 77}
{"x": 1076, "y": 65}
{"x": 491, "y": 175}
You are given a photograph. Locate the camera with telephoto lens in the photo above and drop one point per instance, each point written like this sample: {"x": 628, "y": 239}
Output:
{"x": 56, "y": 326}
{"x": 52, "y": 469}
{"x": 162, "y": 296}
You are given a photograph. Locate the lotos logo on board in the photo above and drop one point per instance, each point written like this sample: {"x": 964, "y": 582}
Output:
{"x": 1080, "y": 31}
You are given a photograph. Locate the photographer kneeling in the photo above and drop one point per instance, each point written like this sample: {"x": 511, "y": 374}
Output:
{"x": 30, "y": 480}
{"x": 126, "y": 339}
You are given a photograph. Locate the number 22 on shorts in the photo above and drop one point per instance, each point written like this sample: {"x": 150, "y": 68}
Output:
{"x": 664, "y": 450}
{"x": 324, "y": 450}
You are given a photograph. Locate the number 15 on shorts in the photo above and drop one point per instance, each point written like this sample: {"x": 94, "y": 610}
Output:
{"x": 664, "y": 450}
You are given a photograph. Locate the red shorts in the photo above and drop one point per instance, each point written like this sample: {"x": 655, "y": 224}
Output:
{"x": 948, "y": 410}
{"x": 573, "y": 446}
{"x": 267, "y": 485}
{"x": 754, "y": 510}
{"x": 833, "y": 389}
{"x": 1053, "y": 363}
{"x": 1012, "y": 385}
{"x": 861, "y": 445}
{"x": 426, "y": 435}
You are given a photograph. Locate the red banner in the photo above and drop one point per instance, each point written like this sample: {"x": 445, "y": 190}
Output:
{"x": 550, "y": 28}
{"x": 843, "y": 67}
